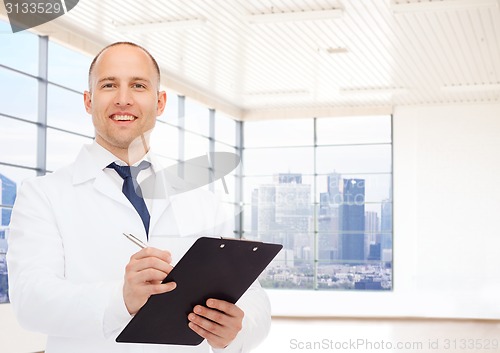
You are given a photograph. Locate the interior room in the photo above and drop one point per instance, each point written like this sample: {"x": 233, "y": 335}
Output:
{"x": 393, "y": 103}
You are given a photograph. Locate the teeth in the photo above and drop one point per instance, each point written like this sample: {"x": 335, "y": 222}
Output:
{"x": 123, "y": 117}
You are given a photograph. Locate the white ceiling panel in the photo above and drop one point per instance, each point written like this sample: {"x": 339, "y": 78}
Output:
{"x": 377, "y": 54}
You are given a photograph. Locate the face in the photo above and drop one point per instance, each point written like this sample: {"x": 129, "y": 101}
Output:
{"x": 124, "y": 100}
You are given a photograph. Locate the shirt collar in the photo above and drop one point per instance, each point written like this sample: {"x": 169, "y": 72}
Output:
{"x": 103, "y": 157}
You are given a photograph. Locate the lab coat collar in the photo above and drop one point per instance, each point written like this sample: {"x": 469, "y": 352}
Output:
{"x": 86, "y": 166}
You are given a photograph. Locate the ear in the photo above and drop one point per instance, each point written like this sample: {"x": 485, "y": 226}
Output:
{"x": 87, "y": 101}
{"x": 162, "y": 102}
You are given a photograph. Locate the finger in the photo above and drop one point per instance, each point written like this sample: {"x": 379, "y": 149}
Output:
{"x": 207, "y": 328}
{"x": 136, "y": 296}
{"x": 225, "y": 307}
{"x": 148, "y": 262}
{"x": 153, "y": 252}
{"x": 218, "y": 322}
{"x": 161, "y": 288}
{"x": 214, "y": 316}
{"x": 149, "y": 275}
{"x": 214, "y": 340}
{"x": 210, "y": 331}
{"x": 148, "y": 289}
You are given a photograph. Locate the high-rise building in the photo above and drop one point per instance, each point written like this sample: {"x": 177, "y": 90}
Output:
{"x": 288, "y": 178}
{"x": 371, "y": 230}
{"x": 8, "y": 192}
{"x": 352, "y": 220}
{"x": 334, "y": 180}
{"x": 284, "y": 214}
{"x": 328, "y": 220}
{"x": 386, "y": 231}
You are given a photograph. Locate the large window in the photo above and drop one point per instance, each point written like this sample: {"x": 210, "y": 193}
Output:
{"x": 36, "y": 138}
{"x": 323, "y": 189}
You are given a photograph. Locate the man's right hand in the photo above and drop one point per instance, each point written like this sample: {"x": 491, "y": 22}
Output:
{"x": 143, "y": 276}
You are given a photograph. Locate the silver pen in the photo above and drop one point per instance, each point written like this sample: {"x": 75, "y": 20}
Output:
{"x": 135, "y": 240}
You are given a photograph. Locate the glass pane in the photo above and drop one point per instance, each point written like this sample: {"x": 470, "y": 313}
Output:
{"x": 165, "y": 140}
{"x": 196, "y": 117}
{"x": 170, "y": 114}
{"x": 271, "y": 161}
{"x": 269, "y": 185}
{"x": 4, "y": 285}
{"x": 195, "y": 146}
{"x": 287, "y": 271}
{"x": 225, "y": 189}
{"x": 10, "y": 180}
{"x": 281, "y": 212}
{"x": 221, "y": 147}
{"x": 249, "y": 221}
{"x": 18, "y": 142}
{"x": 225, "y": 129}
{"x": 293, "y": 132}
{"x": 68, "y": 67}
{"x": 354, "y": 159}
{"x": 62, "y": 148}
{"x": 232, "y": 211}
{"x": 19, "y": 95}
{"x": 353, "y": 130}
{"x": 377, "y": 186}
{"x": 16, "y": 175}
{"x": 8, "y": 194}
{"x": 19, "y": 50}
{"x": 65, "y": 110}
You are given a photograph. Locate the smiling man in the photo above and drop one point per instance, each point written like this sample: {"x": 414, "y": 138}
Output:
{"x": 73, "y": 276}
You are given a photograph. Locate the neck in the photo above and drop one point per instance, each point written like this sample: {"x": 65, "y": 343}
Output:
{"x": 131, "y": 154}
{"x": 136, "y": 150}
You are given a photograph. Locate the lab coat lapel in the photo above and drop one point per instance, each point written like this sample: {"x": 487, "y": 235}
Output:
{"x": 105, "y": 186}
{"x": 86, "y": 170}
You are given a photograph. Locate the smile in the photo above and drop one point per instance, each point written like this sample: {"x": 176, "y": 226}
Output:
{"x": 123, "y": 117}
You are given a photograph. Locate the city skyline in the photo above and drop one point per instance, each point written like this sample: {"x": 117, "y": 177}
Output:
{"x": 8, "y": 192}
{"x": 348, "y": 236}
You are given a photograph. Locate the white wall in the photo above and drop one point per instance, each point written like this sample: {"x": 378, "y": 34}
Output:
{"x": 446, "y": 217}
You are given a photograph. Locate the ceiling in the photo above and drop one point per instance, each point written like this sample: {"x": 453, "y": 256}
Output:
{"x": 355, "y": 57}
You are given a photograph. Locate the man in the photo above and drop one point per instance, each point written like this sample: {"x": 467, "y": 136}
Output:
{"x": 73, "y": 276}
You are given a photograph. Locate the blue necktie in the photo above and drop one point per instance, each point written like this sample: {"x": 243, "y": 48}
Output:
{"x": 132, "y": 190}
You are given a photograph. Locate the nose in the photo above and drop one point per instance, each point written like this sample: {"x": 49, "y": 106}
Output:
{"x": 123, "y": 97}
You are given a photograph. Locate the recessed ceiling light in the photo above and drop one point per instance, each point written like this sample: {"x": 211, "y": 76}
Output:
{"x": 401, "y": 6}
{"x": 471, "y": 88}
{"x": 297, "y": 16}
{"x": 372, "y": 90}
{"x": 162, "y": 26}
{"x": 288, "y": 92}
{"x": 338, "y": 50}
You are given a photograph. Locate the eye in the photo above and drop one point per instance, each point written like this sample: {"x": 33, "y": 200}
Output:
{"x": 139, "y": 86}
{"x": 107, "y": 85}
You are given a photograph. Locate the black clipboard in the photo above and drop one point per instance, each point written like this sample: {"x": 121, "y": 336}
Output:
{"x": 212, "y": 268}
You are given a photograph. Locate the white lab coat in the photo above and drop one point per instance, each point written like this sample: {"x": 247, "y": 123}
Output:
{"x": 67, "y": 256}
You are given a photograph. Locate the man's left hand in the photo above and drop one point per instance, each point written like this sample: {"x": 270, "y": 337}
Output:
{"x": 219, "y": 322}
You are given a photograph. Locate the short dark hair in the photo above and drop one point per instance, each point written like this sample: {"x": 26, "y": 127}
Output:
{"x": 155, "y": 63}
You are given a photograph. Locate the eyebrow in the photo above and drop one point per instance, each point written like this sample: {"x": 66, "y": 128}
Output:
{"x": 113, "y": 78}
